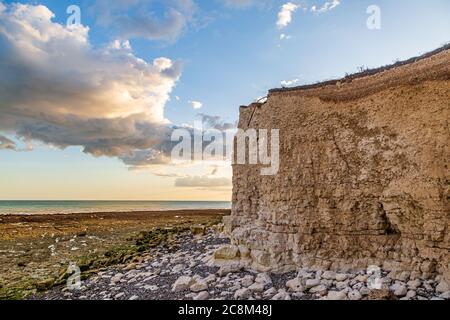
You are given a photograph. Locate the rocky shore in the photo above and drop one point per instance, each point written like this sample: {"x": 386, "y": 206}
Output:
{"x": 186, "y": 269}
{"x": 36, "y": 250}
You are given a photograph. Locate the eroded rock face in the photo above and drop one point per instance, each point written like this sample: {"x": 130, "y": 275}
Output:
{"x": 363, "y": 179}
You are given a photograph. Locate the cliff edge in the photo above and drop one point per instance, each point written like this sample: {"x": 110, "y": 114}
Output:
{"x": 364, "y": 174}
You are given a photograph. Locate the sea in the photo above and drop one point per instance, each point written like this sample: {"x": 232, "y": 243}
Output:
{"x": 67, "y": 207}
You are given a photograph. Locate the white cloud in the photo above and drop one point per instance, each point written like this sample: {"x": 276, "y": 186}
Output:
{"x": 6, "y": 143}
{"x": 138, "y": 19}
{"x": 261, "y": 99}
{"x": 196, "y": 104}
{"x": 202, "y": 182}
{"x": 118, "y": 45}
{"x": 216, "y": 122}
{"x": 58, "y": 88}
{"x": 161, "y": 154}
{"x": 285, "y": 14}
{"x": 327, "y": 6}
{"x": 288, "y": 83}
{"x": 284, "y": 36}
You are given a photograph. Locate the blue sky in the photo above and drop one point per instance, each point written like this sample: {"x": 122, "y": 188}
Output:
{"x": 229, "y": 55}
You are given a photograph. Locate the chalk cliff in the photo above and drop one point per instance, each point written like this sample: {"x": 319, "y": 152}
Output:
{"x": 364, "y": 173}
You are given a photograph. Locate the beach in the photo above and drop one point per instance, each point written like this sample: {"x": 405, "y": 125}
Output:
{"x": 167, "y": 255}
{"x": 199, "y": 264}
{"x": 36, "y": 250}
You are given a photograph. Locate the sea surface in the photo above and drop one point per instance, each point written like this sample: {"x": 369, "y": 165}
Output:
{"x": 67, "y": 207}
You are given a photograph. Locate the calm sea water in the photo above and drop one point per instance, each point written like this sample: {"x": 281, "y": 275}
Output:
{"x": 66, "y": 207}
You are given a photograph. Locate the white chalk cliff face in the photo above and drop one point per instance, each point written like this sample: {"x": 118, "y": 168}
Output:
{"x": 363, "y": 179}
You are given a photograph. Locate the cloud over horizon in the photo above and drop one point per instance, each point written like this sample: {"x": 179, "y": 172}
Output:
{"x": 202, "y": 182}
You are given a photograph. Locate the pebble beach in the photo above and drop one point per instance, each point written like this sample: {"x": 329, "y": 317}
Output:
{"x": 183, "y": 271}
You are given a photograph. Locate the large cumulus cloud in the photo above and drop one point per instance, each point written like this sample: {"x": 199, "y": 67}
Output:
{"x": 56, "y": 87}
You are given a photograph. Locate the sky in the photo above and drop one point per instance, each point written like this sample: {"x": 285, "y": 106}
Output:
{"x": 88, "y": 101}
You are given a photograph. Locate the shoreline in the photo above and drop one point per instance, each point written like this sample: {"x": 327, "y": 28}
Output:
{"x": 192, "y": 267}
{"x": 138, "y": 214}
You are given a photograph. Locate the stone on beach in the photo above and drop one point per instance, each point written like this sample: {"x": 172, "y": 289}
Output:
{"x": 312, "y": 283}
{"x": 443, "y": 286}
{"x": 247, "y": 281}
{"x": 178, "y": 268}
{"x": 354, "y": 295}
{"x": 257, "y": 287}
{"x": 320, "y": 289}
{"x": 210, "y": 278}
{"x": 116, "y": 278}
{"x": 182, "y": 283}
{"x": 204, "y": 295}
{"x": 263, "y": 278}
{"x": 119, "y": 295}
{"x": 336, "y": 295}
{"x": 270, "y": 292}
{"x": 281, "y": 295}
{"x": 151, "y": 288}
{"x": 199, "y": 286}
{"x": 242, "y": 294}
{"x": 341, "y": 277}
{"x": 226, "y": 269}
{"x": 295, "y": 285}
{"x": 399, "y": 289}
{"x": 414, "y": 284}
{"x": 330, "y": 275}
{"x": 228, "y": 252}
